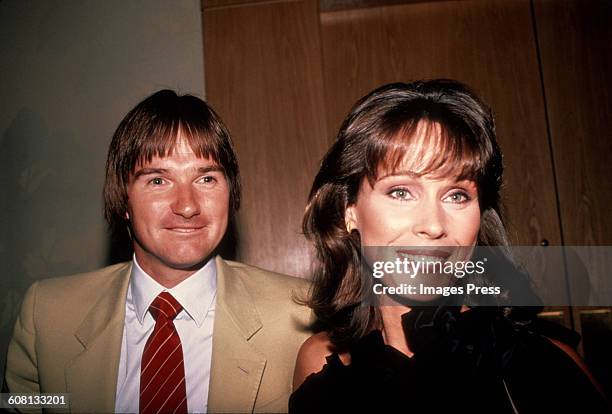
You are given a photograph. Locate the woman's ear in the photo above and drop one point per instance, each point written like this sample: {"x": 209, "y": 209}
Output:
{"x": 350, "y": 219}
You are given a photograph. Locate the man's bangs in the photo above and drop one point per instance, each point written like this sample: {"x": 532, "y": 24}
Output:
{"x": 426, "y": 147}
{"x": 163, "y": 139}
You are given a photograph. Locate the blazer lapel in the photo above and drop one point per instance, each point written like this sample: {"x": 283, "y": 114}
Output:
{"x": 236, "y": 366}
{"x": 91, "y": 377}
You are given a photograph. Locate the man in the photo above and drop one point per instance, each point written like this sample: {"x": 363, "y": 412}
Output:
{"x": 177, "y": 329}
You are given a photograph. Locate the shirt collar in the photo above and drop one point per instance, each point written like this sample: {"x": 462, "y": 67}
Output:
{"x": 196, "y": 294}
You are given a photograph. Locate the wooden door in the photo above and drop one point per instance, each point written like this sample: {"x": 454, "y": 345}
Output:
{"x": 575, "y": 45}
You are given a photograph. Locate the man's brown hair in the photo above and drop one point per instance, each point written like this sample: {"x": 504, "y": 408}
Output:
{"x": 150, "y": 130}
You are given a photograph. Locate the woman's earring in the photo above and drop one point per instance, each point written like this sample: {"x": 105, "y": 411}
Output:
{"x": 349, "y": 229}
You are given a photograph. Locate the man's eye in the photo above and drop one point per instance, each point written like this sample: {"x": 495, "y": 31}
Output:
{"x": 400, "y": 194}
{"x": 208, "y": 179}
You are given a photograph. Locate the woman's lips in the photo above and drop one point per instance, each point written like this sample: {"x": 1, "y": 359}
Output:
{"x": 425, "y": 253}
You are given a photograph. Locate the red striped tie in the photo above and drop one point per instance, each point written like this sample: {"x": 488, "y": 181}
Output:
{"x": 162, "y": 372}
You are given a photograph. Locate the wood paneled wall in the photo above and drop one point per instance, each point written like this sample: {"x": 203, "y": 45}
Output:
{"x": 283, "y": 74}
{"x": 575, "y": 41}
{"x": 575, "y": 44}
{"x": 263, "y": 77}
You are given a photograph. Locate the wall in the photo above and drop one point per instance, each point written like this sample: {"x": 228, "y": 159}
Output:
{"x": 70, "y": 72}
{"x": 264, "y": 77}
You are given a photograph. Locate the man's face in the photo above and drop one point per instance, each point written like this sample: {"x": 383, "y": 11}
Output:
{"x": 178, "y": 209}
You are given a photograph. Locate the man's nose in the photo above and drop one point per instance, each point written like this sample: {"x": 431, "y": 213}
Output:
{"x": 429, "y": 222}
{"x": 185, "y": 201}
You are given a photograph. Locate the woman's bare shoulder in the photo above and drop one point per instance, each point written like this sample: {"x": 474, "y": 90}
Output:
{"x": 312, "y": 357}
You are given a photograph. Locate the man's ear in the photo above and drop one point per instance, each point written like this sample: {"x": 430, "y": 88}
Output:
{"x": 350, "y": 219}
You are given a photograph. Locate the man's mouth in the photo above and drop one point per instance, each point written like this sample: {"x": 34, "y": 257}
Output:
{"x": 185, "y": 230}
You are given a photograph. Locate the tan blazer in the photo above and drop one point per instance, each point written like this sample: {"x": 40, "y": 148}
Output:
{"x": 68, "y": 338}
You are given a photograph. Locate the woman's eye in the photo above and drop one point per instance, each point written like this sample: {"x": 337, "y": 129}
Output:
{"x": 157, "y": 181}
{"x": 400, "y": 194}
{"x": 458, "y": 197}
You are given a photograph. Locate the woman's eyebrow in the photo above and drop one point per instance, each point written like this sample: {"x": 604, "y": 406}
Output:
{"x": 401, "y": 173}
{"x": 465, "y": 181}
{"x": 412, "y": 174}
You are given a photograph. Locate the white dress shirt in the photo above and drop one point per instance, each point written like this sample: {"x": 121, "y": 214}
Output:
{"x": 194, "y": 325}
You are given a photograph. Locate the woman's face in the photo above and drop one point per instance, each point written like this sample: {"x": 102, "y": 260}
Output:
{"x": 405, "y": 209}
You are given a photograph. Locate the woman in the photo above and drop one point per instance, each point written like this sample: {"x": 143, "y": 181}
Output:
{"x": 418, "y": 165}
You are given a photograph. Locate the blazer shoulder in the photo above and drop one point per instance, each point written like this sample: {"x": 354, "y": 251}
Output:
{"x": 271, "y": 291}
{"x": 84, "y": 284}
{"x": 258, "y": 275}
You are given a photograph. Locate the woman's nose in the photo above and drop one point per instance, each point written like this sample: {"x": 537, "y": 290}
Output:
{"x": 429, "y": 222}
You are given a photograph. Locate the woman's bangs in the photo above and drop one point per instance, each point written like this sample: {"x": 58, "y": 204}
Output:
{"x": 425, "y": 147}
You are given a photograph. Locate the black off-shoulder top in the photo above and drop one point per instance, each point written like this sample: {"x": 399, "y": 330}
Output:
{"x": 477, "y": 361}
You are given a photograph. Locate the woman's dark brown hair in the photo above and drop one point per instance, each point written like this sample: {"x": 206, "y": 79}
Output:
{"x": 375, "y": 137}
{"x": 150, "y": 130}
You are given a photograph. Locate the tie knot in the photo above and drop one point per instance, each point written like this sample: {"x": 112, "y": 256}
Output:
{"x": 166, "y": 306}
